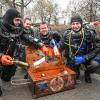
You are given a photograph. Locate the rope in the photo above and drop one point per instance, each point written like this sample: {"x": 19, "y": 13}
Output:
{"x": 70, "y": 49}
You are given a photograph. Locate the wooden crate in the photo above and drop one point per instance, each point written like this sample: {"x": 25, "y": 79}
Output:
{"x": 48, "y": 77}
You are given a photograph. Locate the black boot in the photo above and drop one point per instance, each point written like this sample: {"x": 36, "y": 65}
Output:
{"x": 26, "y": 76}
{"x": 0, "y": 92}
{"x": 87, "y": 77}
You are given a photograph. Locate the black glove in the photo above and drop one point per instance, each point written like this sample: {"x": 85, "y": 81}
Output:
{"x": 56, "y": 37}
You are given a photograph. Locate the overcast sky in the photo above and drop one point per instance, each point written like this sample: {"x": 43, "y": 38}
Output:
{"x": 62, "y": 3}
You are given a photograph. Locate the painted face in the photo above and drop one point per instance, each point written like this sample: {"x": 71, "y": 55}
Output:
{"x": 44, "y": 29}
{"x": 17, "y": 21}
{"x": 27, "y": 24}
{"x": 76, "y": 26}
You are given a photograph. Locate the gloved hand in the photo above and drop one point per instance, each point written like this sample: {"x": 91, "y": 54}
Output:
{"x": 6, "y": 60}
{"x": 56, "y": 37}
{"x": 47, "y": 51}
{"x": 79, "y": 59}
{"x": 97, "y": 59}
{"x": 52, "y": 44}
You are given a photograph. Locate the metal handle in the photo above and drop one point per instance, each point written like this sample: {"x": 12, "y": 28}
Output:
{"x": 20, "y": 81}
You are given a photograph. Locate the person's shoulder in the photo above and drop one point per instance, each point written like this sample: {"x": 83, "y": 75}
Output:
{"x": 92, "y": 31}
{"x": 53, "y": 32}
{"x": 67, "y": 32}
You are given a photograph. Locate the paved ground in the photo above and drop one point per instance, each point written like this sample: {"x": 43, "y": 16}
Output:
{"x": 82, "y": 91}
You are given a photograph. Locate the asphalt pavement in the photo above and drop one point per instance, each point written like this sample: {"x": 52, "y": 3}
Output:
{"x": 83, "y": 91}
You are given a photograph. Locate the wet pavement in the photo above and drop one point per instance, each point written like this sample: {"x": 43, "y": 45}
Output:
{"x": 83, "y": 91}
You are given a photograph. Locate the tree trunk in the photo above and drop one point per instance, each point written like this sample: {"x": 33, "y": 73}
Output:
{"x": 0, "y": 10}
{"x": 22, "y": 8}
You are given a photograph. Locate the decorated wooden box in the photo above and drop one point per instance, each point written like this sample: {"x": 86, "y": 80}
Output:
{"x": 49, "y": 76}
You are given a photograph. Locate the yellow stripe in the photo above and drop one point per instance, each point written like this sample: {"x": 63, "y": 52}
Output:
{"x": 83, "y": 34}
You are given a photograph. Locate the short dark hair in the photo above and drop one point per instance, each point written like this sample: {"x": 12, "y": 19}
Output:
{"x": 43, "y": 23}
{"x": 27, "y": 19}
{"x": 76, "y": 18}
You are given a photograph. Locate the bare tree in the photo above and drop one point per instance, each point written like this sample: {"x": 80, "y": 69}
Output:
{"x": 56, "y": 13}
{"x": 3, "y": 6}
{"x": 89, "y": 9}
{"x": 71, "y": 8}
{"x": 21, "y": 4}
{"x": 39, "y": 9}
{"x": 1, "y": 9}
{"x": 86, "y": 8}
{"x": 44, "y": 9}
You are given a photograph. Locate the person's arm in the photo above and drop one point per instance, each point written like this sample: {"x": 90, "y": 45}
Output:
{"x": 93, "y": 49}
{"x": 30, "y": 39}
{"x": 62, "y": 41}
{"x": 96, "y": 50}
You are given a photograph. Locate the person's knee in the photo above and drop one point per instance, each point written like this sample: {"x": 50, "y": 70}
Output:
{"x": 7, "y": 73}
{"x": 0, "y": 91}
{"x": 95, "y": 63}
{"x": 93, "y": 66}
